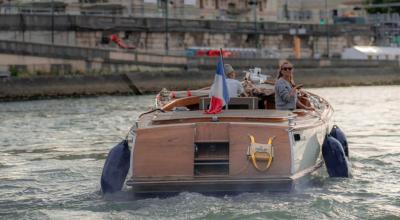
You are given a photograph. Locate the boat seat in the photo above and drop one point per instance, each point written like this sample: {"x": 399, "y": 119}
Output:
{"x": 234, "y": 103}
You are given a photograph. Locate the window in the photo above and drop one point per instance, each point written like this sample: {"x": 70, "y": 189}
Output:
{"x": 223, "y": 3}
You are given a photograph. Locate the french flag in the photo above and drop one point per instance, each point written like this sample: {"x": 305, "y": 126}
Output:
{"x": 219, "y": 90}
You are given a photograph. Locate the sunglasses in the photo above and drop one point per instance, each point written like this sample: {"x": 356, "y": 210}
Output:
{"x": 287, "y": 68}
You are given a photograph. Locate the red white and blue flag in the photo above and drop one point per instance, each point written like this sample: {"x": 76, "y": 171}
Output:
{"x": 219, "y": 90}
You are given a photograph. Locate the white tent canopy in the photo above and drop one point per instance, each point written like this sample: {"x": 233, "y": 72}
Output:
{"x": 371, "y": 53}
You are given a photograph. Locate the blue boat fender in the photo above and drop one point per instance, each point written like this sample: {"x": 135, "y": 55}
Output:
{"x": 337, "y": 133}
{"x": 335, "y": 159}
{"x": 116, "y": 168}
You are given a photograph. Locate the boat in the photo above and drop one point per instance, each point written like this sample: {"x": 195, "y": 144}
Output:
{"x": 249, "y": 146}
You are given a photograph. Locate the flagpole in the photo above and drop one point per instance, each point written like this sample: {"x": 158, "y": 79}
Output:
{"x": 223, "y": 68}
{"x": 222, "y": 57}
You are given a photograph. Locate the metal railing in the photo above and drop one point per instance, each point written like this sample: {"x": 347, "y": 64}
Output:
{"x": 24, "y": 22}
{"x": 84, "y": 53}
{"x": 384, "y": 18}
{"x": 53, "y": 51}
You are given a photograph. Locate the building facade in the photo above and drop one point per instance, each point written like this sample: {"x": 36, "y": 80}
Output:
{"x": 175, "y": 25}
{"x": 289, "y": 11}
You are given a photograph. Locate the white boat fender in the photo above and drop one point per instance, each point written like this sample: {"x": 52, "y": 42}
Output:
{"x": 337, "y": 133}
{"x": 115, "y": 168}
{"x": 335, "y": 159}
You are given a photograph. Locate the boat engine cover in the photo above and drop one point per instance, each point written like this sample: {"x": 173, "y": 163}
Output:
{"x": 335, "y": 159}
{"x": 337, "y": 133}
{"x": 116, "y": 168}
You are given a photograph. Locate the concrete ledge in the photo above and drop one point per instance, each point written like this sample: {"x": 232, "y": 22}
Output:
{"x": 152, "y": 82}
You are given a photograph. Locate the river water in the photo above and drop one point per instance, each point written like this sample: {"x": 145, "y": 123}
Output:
{"x": 52, "y": 153}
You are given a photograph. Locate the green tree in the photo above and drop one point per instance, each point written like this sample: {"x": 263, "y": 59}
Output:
{"x": 384, "y": 9}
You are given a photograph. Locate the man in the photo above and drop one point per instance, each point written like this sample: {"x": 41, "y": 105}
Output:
{"x": 235, "y": 88}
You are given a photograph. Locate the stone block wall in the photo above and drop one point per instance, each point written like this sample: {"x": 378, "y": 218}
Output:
{"x": 179, "y": 41}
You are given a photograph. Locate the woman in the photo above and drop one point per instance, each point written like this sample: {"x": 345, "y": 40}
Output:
{"x": 286, "y": 91}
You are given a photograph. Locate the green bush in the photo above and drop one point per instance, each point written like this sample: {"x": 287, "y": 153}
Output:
{"x": 13, "y": 71}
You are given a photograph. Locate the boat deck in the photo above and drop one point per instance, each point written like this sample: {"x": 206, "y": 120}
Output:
{"x": 257, "y": 115}
{"x": 272, "y": 117}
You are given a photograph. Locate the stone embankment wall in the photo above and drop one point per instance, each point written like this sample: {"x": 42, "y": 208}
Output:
{"x": 58, "y": 59}
{"x": 149, "y": 34}
{"x": 152, "y": 82}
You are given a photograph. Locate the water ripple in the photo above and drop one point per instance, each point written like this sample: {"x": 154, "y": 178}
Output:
{"x": 52, "y": 153}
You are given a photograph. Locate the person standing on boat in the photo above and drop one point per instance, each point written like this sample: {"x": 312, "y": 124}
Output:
{"x": 235, "y": 88}
{"x": 286, "y": 90}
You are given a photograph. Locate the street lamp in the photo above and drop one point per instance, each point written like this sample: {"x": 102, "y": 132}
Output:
{"x": 52, "y": 21}
{"x": 166, "y": 25}
{"x": 254, "y": 4}
{"x": 130, "y": 8}
{"x": 327, "y": 28}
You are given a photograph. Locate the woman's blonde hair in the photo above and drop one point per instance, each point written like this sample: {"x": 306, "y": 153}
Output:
{"x": 281, "y": 64}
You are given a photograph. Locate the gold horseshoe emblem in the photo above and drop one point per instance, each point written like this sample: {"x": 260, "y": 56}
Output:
{"x": 260, "y": 152}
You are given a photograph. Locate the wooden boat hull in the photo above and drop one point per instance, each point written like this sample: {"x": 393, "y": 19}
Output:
{"x": 177, "y": 151}
{"x": 166, "y": 162}
{"x": 220, "y": 185}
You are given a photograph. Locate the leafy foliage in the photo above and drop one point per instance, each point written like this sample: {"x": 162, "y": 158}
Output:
{"x": 13, "y": 71}
{"x": 391, "y": 9}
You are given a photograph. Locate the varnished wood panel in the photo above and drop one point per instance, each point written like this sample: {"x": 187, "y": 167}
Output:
{"x": 220, "y": 119}
{"x": 239, "y": 113}
{"x": 212, "y": 131}
{"x": 164, "y": 151}
{"x": 239, "y": 142}
{"x": 226, "y": 115}
{"x": 181, "y": 102}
